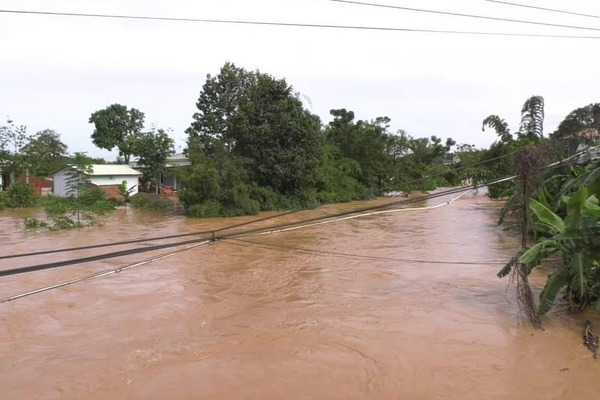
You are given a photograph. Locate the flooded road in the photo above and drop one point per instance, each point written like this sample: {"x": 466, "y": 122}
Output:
{"x": 394, "y": 306}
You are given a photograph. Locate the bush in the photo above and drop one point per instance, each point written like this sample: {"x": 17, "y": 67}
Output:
{"x": 209, "y": 208}
{"x": 21, "y": 195}
{"x": 151, "y": 201}
{"x": 64, "y": 222}
{"x": 32, "y": 223}
{"x": 3, "y": 200}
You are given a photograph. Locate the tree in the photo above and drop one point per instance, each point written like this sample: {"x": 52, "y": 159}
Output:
{"x": 500, "y": 126}
{"x": 44, "y": 153}
{"x": 530, "y": 131}
{"x": 367, "y": 143}
{"x": 531, "y": 126}
{"x": 532, "y": 118}
{"x": 578, "y": 120}
{"x": 153, "y": 148}
{"x": 219, "y": 100}
{"x": 253, "y": 140}
{"x": 568, "y": 232}
{"x": 12, "y": 140}
{"x": 78, "y": 175}
{"x": 117, "y": 126}
{"x": 283, "y": 140}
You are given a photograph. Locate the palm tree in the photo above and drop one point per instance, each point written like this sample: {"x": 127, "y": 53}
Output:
{"x": 532, "y": 121}
{"x": 532, "y": 118}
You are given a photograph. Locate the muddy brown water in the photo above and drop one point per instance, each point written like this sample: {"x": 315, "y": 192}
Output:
{"x": 234, "y": 320}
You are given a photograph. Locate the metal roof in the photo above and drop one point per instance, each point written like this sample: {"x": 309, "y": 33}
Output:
{"x": 109, "y": 170}
{"x": 113, "y": 169}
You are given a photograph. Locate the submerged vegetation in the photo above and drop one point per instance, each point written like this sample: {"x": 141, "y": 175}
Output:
{"x": 253, "y": 146}
{"x": 555, "y": 201}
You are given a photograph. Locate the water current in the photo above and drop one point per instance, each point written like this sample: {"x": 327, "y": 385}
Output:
{"x": 402, "y": 305}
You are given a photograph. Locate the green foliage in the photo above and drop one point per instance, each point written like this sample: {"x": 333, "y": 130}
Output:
{"x": 532, "y": 118}
{"x": 33, "y": 223}
{"x": 572, "y": 231}
{"x": 44, "y": 153}
{"x": 117, "y": 126}
{"x": 21, "y": 195}
{"x": 154, "y": 203}
{"x": 253, "y": 146}
{"x": 206, "y": 209}
{"x": 578, "y": 120}
{"x": 78, "y": 174}
{"x": 12, "y": 139}
{"x": 3, "y": 200}
{"x": 153, "y": 149}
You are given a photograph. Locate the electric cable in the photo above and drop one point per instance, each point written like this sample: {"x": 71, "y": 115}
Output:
{"x": 262, "y": 231}
{"x": 214, "y": 237}
{"x": 151, "y": 239}
{"x": 129, "y": 266}
{"x": 365, "y": 193}
{"x": 297, "y": 25}
{"x": 118, "y": 269}
{"x": 484, "y": 17}
{"x": 101, "y": 273}
{"x": 543, "y": 8}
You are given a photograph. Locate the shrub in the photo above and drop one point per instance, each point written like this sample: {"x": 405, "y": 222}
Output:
{"x": 21, "y": 195}
{"x": 209, "y": 208}
{"x": 151, "y": 201}
{"x": 3, "y": 200}
{"x": 32, "y": 223}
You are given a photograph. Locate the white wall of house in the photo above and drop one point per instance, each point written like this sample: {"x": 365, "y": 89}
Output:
{"x": 132, "y": 181}
{"x": 60, "y": 182}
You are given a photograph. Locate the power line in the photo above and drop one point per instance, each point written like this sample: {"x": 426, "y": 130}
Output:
{"x": 543, "y": 8}
{"x": 485, "y": 17}
{"x": 297, "y": 25}
{"x": 180, "y": 235}
{"x": 229, "y": 227}
{"x": 273, "y": 229}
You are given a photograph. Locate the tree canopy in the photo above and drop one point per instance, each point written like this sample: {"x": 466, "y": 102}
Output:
{"x": 45, "y": 153}
{"x": 153, "y": 149}
{"x": 117, "y": 126}
{"x": 254, "y": 146}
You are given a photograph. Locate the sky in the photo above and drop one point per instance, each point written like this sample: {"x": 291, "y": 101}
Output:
{"x": 57, "y": 70}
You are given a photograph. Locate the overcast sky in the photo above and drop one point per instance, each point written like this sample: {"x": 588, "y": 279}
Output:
{"x": 56, "y": 71}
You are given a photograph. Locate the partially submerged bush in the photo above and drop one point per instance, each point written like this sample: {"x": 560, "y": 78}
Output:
{"x": 150, "y": 201}
{"x": 21, "y": 195}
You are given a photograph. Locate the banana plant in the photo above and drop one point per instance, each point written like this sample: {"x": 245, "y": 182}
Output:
{"x": 575, "y": 239}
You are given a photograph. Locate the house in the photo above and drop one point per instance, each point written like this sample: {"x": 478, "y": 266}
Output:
{"x": 450, "y": 159}
{"x": 588, "y": 146}
{"x": 108, "y": 177}
{"x": 175, "y": 161}
{"x": 169, "y": 178}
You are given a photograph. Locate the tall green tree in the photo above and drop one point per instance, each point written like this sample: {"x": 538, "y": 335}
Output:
{"x": 367, "y": 143}
{"x": 117, "y": 126}
{"x": 44, "y": 153}
{"x": 578, "y": 120}
{"x": 153, "y": 149}
{"x": 12, "y": 140}
{"x": 252, "y": 130}
{"x": 532, "y": 118}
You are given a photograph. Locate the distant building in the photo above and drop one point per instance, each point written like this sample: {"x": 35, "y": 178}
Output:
{"x": 451, "y": 159}
{"x": 108, "y": 177}
{"x": 169, "y": 178}
{"x": 588, "y": 146}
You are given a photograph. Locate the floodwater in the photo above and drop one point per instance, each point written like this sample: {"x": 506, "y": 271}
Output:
{"x": 389, "y": 306}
